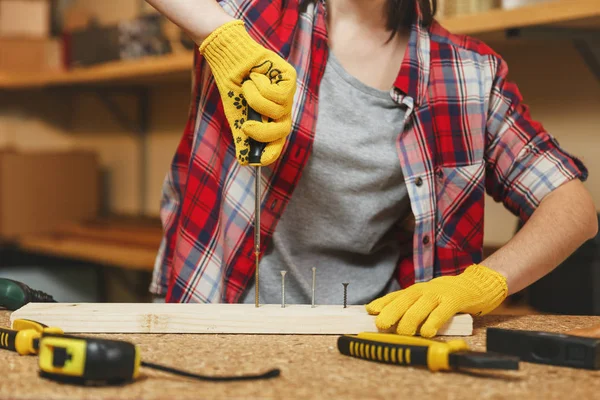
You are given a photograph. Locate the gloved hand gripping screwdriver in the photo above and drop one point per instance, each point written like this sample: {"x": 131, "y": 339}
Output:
{"x": 256, "y": 150}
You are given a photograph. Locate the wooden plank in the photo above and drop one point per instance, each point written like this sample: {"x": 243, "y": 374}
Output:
{"x": 213, "y": 318}
{"x": 552, "y": 12}
{"x": 146, "y": 69}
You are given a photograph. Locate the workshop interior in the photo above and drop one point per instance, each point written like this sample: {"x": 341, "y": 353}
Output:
{"x": 94, "y": 99}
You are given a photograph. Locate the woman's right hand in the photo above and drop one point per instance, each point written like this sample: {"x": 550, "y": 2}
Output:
{"x": 249, "y": 75}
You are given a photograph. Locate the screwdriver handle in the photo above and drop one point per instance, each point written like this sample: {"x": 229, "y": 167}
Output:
{"x": 23, "y": 342}
{"x": 256, "y": 148}
{"x": 7, "y": 339}
{"x": 387, "y": 353}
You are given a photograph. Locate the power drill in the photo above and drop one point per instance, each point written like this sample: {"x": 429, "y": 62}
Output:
{"x": 14, "y": 295}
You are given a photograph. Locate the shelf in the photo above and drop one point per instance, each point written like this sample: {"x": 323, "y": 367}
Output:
{"x": 120, "y": 243}
{"x": 576, "y": 12}
{"x": 145, "y": 70}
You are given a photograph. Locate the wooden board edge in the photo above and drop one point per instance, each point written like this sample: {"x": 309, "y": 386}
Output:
{"x": 354, "y": 320}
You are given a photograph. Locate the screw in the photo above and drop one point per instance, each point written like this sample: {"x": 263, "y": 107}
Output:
{"x": 314, "y": 271}
{"x": 283, "y": 289}
{"x": 345, "y": 294}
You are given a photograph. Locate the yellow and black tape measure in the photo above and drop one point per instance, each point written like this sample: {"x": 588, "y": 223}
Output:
{"x": 87, "y": 360}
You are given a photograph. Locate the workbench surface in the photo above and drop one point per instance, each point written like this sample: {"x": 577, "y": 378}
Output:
{"x": 311, "y": 368}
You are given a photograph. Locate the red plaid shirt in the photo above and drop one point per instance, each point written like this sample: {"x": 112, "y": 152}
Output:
{"x": 466, "y": 132}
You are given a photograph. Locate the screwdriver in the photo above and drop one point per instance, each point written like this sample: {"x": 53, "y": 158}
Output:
{"x": 25, "y": 335}
{"x": 256, "y": 150}
{"x": 14, "y": 295}
{"x": 408, "y": 350}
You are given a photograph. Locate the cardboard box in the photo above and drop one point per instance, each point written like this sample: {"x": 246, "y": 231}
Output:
{"x": 25, "y": 18}
{"x": 41, "y": 191}
{"x": 31, "y": 55}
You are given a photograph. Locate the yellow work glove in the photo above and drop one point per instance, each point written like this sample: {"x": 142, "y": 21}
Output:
{"x": 247, "y": 74}
{"x": 477, "y": 291}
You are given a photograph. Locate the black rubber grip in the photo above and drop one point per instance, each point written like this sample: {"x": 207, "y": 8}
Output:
{"x": 386, "y": 353}
{"x": 545, "y": 347}
{"x": 256, "y": 148}
{"x": 7, "y": 339}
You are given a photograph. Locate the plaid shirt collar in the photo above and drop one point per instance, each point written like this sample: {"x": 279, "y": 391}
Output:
{"x": 413, "y": 77}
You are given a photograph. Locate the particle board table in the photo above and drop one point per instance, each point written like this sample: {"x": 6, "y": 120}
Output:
{"x": 311, "y": 368}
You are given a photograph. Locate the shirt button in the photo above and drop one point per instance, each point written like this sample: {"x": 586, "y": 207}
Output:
{"x": 273, "y": 205}
{"x": 426, "y": 240}
{"x": 419, "y": 182}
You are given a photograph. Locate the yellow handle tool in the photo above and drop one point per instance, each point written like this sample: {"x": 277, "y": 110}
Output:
{"x": 409, "y": 350}
{"x": 24, "y": 336}
{"x": 89, "y": 360}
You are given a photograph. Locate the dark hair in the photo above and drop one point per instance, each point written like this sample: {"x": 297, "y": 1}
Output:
{"x": 402, "y": 14}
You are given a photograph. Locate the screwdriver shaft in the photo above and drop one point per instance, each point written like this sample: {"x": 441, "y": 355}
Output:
{"x": 256, "y": 235}
{"x": 283, "y": 288}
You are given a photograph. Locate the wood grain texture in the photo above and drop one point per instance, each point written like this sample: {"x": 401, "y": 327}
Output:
{"x": 213, "y": 318}
{"x": 311, "y": 368}
{"x": 592, "y": 332}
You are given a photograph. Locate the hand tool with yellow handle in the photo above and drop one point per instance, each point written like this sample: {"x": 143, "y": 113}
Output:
{"x": 91, "y": 361}
{"x": 86, "y": 361}
{"x": 25, "y": 336}
{"x": 415, "y": 351}
{"x": 256, "y": 150}
{"x": 546, "y": 347}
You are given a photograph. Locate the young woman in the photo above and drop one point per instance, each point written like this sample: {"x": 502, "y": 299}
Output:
{"x": 383, "y": 132}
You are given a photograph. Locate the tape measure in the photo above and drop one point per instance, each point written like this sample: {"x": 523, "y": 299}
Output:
{"x": 88, "y": 361}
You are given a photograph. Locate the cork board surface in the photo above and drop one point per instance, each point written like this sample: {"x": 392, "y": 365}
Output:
{"x": 311, "y": 368}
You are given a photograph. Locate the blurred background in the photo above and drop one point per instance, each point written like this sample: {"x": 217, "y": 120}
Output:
{"x": 94, "y": 97}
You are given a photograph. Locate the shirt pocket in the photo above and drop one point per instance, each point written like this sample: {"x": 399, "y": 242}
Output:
{"x": 460, "y": 196}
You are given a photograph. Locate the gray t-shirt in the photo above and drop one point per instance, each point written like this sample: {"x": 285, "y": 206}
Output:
{"x": 343, "y": 215}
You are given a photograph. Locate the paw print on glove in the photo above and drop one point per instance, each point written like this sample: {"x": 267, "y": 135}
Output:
{"x": 238, "y": 123}
{"x": 243, "y": 157}
{"x": 240, "y": 102}
{"x": 274, "y": 74}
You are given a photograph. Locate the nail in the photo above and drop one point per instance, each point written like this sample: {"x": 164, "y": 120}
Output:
{"x": 345, "y": 294}
{"x": 283, "y": 289}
